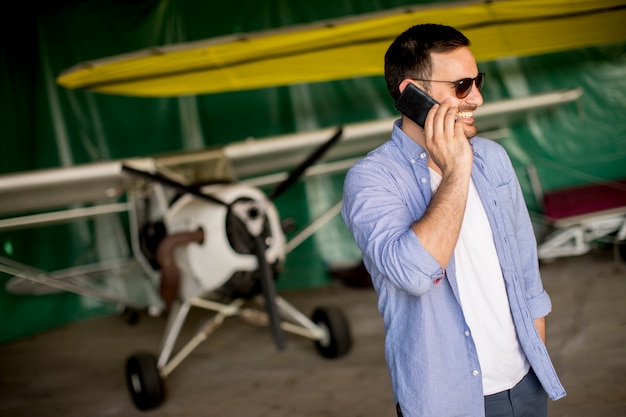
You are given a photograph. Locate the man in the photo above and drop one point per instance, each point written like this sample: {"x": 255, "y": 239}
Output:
{"x": 446, "y": 237}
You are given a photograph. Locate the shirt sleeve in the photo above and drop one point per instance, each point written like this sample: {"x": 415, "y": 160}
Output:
{"x": 379, "y": 209}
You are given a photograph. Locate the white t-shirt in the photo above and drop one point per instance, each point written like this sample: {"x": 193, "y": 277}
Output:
{"x": 484, "y": 299}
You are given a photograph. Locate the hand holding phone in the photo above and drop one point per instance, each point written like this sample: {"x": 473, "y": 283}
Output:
{"x": 415, "y": 104}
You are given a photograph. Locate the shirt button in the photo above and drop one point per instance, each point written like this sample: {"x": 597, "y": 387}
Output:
{"x": 475, "y": 372}
{"x": 423, "y": 155}
{"x": 423, "y": 180}
{"x": 467, "y": 333}
{"x": 412, "y": 161}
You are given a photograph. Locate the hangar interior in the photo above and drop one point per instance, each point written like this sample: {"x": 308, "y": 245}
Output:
{"x": 53, "y": 341}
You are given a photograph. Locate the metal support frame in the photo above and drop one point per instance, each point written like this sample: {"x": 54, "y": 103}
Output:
{"x": 574, "y": 236}
{"x": 313, "y": 227}
{"x": 75, "y": 280}
{"x": 299, "y": 324}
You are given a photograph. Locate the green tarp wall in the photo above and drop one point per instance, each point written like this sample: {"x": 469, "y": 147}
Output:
{"x": 43, "y": 125}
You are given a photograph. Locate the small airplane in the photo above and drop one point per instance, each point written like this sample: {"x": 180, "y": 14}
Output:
{"x": 204, "y": 233}
{"x": 576, "y": 218}
{"x": 218, "y": 246}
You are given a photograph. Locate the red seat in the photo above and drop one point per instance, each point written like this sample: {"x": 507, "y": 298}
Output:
{"x": 580, "y": 200}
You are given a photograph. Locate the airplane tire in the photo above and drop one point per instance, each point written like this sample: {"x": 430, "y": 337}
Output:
{"x": 130, "y": 315}
{"x": 338, "y": 340}
{"x": 144, "y": 381}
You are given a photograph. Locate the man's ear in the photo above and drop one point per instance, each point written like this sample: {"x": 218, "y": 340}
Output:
{"x": 403, "y": 84}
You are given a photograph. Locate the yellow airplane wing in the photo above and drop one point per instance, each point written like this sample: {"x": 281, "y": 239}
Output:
{"x": 347, "y": 48}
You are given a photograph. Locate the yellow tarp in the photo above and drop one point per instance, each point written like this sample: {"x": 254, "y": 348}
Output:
{"x": 348, "y": 48}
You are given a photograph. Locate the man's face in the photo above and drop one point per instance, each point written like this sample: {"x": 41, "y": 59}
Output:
{"x": 453, "y": 66}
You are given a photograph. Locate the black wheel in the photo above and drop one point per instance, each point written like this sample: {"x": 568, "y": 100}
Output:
{"x": 144, "y": 381}
{"x": 337, "y": 339}
{"x": 130, "y": 315}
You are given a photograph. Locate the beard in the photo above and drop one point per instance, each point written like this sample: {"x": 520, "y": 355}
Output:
{"x": 469, "y": 128}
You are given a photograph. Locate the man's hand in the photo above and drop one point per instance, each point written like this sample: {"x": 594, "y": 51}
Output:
{"x": 446, "y": 142}
{"x": 449, "y": 149}
{"x": 540, "y": 325}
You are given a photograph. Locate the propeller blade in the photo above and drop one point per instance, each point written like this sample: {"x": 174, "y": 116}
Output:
{"x": 269, "y": 293}
{"x": 299, "y": 170}
{"x": 161, "y": 179}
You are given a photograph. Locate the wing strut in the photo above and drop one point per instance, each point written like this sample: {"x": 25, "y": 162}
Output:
{"x": 299, "y": 170}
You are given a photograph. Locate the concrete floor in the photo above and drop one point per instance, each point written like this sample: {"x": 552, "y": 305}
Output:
{"x": 78, "y": 370}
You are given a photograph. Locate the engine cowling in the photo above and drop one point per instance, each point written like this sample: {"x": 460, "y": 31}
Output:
{"x": 225, "y": 260}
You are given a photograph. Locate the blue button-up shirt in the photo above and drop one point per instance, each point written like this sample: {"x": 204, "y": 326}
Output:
{"x": 429, "y": 348}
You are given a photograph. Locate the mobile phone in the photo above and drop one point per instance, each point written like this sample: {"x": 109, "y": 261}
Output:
{"x": 415, "y": 104}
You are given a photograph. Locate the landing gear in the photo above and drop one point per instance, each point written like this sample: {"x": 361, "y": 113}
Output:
{"x": 337, "y": 339}
{"x": 144, "y": 381}
{"x": 327, "y": 328}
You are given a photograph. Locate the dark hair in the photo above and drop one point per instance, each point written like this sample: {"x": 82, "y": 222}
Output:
{"x": 408, "y": 55}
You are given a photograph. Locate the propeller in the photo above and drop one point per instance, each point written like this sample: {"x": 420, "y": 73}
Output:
{"x": 162, "y": 179}
{"x": 299, "y": 170}
{"x": 269, "y": 294}
{"x": 267, "y": 280}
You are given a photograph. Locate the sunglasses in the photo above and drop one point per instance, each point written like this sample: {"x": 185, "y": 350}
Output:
{"x": 463, "y": 86}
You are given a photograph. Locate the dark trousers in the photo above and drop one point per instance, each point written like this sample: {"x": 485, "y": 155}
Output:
{"x": 526, "y": 399}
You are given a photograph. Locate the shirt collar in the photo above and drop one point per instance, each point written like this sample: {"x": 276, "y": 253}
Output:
{"x": 409, "y": 148}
